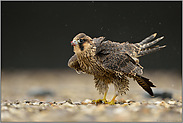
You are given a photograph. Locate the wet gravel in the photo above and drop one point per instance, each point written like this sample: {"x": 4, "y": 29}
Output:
{"x": 124, "y": 110}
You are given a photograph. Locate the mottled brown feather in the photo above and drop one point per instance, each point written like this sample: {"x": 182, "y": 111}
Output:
{"x": 121, "y": 62}
{"x": 73, "y": 63}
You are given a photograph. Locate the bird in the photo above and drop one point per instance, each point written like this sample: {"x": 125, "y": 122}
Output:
{"x": 112, "y": 63}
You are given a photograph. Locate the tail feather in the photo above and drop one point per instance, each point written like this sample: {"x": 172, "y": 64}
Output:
{"x": 150, "y": 50}
{"x": 151, "y": 43}
{"x": 144, "y": 46}
{"x": 145, "y": 84}
{"x": 147, "y": 39}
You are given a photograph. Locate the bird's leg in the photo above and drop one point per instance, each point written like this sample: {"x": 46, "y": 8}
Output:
{"x": 102, "y": 100}
{"x": 112, "y": 102}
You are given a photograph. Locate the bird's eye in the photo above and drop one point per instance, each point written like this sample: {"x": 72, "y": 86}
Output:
{"x": 80, "y": 40}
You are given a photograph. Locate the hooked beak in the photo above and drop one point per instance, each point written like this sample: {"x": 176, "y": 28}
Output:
{"x": 74, "y": 42}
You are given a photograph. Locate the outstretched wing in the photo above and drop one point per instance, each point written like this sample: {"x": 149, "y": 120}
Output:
{"x": 134, "y": 50}
{"x": 114, "y": 56}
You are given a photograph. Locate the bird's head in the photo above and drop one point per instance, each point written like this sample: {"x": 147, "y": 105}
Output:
{"x": 81, "y": 42}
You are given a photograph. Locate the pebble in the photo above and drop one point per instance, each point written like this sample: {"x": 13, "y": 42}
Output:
{"x": 27, "y": 101}
{"x": 60, "y": 103}
{"x": 171, "y": 102}
{"x": 126, "y": 101}
{"x": 136, "y": 103}
{"x": 69, "y": 101}
{"x": 36, "y": 103}
{"x": 157, "y": 102}
{"x": 144, "y": 102}
{"x": 6, "y": 104}
{"x": 125, "y": 104}
{"x": 77, "y": 103}
{"x": 163, "y": 103}
{"x": 68, "y": 105}
{"x": 16, "y": 106}
{"x": 46, "y": 104}
{"x": 86, "y": 101}
{"x": 131, "y": 101}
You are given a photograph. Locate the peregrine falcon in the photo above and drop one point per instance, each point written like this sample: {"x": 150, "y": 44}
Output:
{"x": 112, "y": 62}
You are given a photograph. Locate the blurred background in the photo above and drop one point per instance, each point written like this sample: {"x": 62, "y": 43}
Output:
{"x": 36, "y": 44}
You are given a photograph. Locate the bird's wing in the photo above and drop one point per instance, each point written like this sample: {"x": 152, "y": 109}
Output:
{"x": 73, "y": 63}
{"x": 97, "y": 42}
{"x": 114, "y": 56}
{"x": 106, "y": 47}
{"x": 121, "y": 62}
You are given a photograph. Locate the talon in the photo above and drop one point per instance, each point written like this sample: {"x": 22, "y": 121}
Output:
{"x": 112, "y": 102}
{"x": 99, "y": 101}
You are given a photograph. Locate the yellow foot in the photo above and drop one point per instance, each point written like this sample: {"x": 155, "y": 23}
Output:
{"x": 100, "y": 101}
{"x": 112, "y": 102}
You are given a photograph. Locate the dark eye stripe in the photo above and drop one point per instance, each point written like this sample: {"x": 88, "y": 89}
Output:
{"x": 81, "y": 41}
{"x": 81, "y": 46}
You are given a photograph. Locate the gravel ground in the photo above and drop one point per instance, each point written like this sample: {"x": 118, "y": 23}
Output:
{"x": 63, "y": 95}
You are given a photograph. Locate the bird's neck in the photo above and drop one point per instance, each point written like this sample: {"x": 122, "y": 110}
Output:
{"x": 87, "y": 52}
